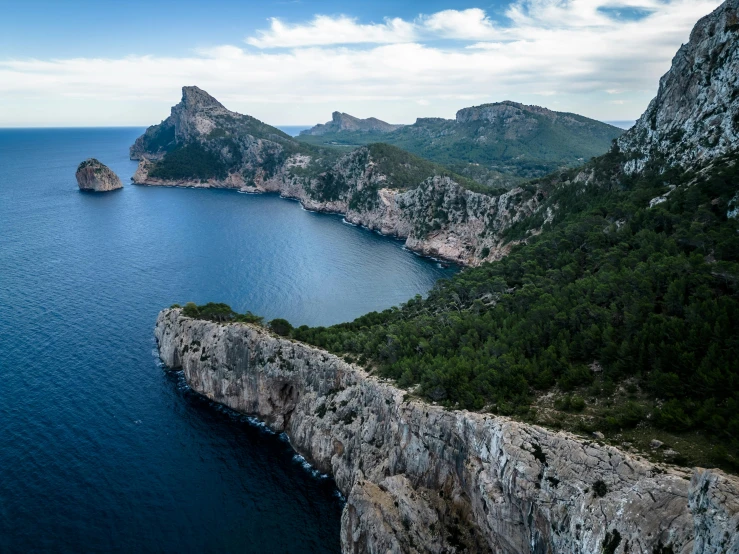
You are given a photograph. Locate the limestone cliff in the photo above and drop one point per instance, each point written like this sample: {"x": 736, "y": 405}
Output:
{"x": 95, "y": 176}
{"x": 418, "y": 478}
{"x": 695, "y": 116}
{"x": 345, "y": 123}
{"x": 377, "y": 186}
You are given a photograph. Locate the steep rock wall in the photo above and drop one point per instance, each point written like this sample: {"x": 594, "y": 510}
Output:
{"x": 419, "y": 478}
{"x": 695, "y": 115}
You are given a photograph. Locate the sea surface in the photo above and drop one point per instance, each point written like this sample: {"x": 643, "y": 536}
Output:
{"x": 101, "y": 448}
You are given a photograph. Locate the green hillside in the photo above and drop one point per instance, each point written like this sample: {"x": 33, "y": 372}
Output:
{"x": 502, "y": 151}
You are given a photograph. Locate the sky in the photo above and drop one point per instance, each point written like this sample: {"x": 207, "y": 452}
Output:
{"x": 294, "y": 62}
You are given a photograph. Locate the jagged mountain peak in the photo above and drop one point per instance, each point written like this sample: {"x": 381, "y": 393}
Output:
{"x": 695, "y": 116}
{"x": 199, "y": 117}
{"x": 194, "y": 97}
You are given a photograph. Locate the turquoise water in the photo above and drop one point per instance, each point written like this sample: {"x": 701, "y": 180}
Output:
{"x": 102, "y": 449}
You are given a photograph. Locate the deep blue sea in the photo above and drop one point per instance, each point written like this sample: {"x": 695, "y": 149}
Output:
{"x": 103, "y": 450}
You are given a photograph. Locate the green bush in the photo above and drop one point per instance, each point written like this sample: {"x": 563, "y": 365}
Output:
{"x": 281, "y": 326}
{"x": 577, "y": 403}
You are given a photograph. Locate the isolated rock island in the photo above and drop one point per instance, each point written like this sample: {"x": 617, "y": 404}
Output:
{"x": 93, "y": 175}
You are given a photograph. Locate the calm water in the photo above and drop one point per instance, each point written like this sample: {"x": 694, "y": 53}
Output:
{"x": 103, "y": 450}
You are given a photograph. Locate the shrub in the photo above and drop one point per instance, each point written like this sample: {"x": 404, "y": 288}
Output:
{"x": 577, "y": 403}
{"x": 600, "y": 489}
{"x": 672, "y": 417}
{"x": 575, "y": 377}
{"x": 281, "y": 326}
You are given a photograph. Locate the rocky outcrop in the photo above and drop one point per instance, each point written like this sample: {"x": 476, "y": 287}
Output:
{"x": 95, "y": 176}
{"x": 419, "y": 478}
{"x": 695, "y": 116}
{"x": 343, "y": 122}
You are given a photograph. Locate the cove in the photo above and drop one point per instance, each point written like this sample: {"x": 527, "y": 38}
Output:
{"x": 102, "y": 449}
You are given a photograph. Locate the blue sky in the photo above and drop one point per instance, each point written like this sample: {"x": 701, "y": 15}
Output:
{"x": 294, "y": 62}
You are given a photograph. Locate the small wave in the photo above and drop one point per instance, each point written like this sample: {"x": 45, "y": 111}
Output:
{"x": 343, "y": 220}
{"x": 302, "y": 462}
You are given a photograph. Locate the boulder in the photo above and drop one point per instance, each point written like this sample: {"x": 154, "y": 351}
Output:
{"x": 95, "y": 176}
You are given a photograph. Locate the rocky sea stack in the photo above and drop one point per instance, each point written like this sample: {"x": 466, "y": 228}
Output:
{"x": 95, "y": 176}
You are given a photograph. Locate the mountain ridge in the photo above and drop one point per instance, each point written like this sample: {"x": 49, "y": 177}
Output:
{"x": 499, "y": 144}
{"x": 437, "y": 212}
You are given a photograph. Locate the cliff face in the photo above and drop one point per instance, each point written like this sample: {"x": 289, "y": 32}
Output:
{"x": 695, "y": 116}
{"x": 418, "y": 478}
{"x": 343, "y": 122}
{"x": 95, "y": 176}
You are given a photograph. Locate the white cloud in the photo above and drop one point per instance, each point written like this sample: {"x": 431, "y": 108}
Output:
{"x": 567, "y": 52}
{"x": 324, "y": 30}
{"x": 472, "y": 24}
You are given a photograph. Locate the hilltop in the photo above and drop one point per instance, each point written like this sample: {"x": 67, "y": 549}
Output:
{"x": 498, "y": 144}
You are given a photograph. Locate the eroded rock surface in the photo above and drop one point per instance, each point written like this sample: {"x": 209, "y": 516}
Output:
{"x": 418, "y": 478}
{"x": 695, "y": 116}
{"x": 93, "y": 175}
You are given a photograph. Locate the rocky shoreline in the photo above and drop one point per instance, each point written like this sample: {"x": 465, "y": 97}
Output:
{"x": 471, "y": 234}
{"x": 419, "y": 478}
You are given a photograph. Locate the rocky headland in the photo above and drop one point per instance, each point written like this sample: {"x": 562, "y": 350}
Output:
{"x": 376, "y": 186}
{"x": 420, "y": 478}
{"x": 345, "y": 123}
{"x": 95, "y": 176}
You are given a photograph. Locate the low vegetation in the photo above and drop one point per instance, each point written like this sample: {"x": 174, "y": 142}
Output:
{"x": 191, "y": 161}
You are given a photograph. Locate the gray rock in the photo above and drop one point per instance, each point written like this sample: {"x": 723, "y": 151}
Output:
{"x": 93, "y": 175}
{"x": 419, "y": 478}
{"x": 695, "y": 116}
{"x": 599, "y": 435}
{"x": 655, "y": 444}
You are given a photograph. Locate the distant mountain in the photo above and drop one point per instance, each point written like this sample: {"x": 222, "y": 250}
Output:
{"x": 345, "y": 123}
{"x": 202, "y": 123}
{"x": 497, "y": 144}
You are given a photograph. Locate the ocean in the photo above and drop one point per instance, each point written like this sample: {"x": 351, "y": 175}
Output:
{"x": 104, "y": 450}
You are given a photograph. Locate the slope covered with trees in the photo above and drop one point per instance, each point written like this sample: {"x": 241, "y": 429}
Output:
{"x": 648, "y": 295}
